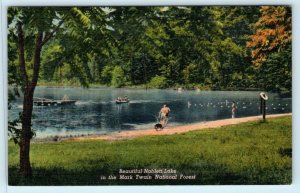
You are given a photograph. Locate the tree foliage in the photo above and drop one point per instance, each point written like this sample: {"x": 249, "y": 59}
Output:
{"x": 271, "y": 44}
{"x": 117, "y": 77}
{"x": 211, "y": 46}
{"x": 158, "y": 82}
{"x": 273, "y": 32}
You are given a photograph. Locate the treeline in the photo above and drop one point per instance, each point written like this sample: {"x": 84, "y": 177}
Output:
{"x": 241, "y": 47}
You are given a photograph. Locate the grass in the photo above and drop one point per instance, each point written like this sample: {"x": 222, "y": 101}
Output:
{"x": 249, "y": 153}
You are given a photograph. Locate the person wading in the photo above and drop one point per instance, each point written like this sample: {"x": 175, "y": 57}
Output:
{"x": 164, "y": 113}
{"x": 233, "y": 110}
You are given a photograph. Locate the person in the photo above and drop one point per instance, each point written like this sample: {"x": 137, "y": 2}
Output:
{"x": 233, "y": 109}
{"x": 65, "y": 98}
{"x": 164, "y": 113}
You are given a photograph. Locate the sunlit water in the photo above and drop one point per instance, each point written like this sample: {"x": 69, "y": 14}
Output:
{"x": 96, "y": 112}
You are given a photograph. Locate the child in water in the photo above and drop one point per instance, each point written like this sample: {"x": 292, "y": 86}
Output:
{"x": 233, "y": 110}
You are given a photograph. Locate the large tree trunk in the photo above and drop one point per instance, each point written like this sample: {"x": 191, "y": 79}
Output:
{"x": 29, "y": 87}
{"x": 25, "y": 167}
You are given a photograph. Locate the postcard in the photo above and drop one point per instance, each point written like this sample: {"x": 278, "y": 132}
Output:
{"x": 149, "y": 95}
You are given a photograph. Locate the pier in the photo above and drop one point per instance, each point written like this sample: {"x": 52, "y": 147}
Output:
{"x": 48, "y": 102}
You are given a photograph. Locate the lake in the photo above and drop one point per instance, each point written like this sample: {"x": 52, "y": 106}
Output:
{"x": 95, "y": 110}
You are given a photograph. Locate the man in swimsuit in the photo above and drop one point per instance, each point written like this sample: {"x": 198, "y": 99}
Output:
{"x": 164, "y": 113}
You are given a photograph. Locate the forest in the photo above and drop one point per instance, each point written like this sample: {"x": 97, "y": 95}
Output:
{"x": 218, "y": 48}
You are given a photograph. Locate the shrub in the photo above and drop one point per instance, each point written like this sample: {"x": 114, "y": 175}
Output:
{"x": 118, "y": 77}
{"x": 106, "y": 75}
{"x": 158, "y": 82}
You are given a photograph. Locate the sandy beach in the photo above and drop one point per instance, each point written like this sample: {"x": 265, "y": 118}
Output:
{"x": 123, "y": 135}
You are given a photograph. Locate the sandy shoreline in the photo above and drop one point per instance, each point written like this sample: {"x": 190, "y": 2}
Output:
{"x": 123, "y": 135}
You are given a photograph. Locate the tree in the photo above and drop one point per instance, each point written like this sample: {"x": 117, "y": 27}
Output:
{"x": 235, "y": 57}
{"x": 135, "y": 48}
{"x": 31, "y": 29}
{"x": 20, "y": 18}
{"x": 273, "y": 32}
{"x": 190, "y": 74}
{"x": 271, "y": 48}
{"x": 106, "y": 75}
{"x": 163, "y": 41}
{"x": 117, "y": 79}
{"x": 158, "y": 82}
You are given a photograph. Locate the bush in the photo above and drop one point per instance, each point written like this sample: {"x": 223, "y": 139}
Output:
{"x": 106, "y": 75}
{"x": 118, "y": 77}
{"x": 158, "y": 82}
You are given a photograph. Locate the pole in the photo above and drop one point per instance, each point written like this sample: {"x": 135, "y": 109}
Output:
{"x": 263, "y": 99}
{"x": 264, "y": 110}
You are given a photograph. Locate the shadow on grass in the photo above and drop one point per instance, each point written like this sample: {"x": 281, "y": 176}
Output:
{"x": 285, "y": 152}
{"x": 208, "y": 175}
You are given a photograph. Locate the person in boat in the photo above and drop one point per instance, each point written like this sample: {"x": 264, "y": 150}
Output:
{"x": 122, "y": 99}
{"x": 65, "y": 98}
{"x": 164, "y": 114}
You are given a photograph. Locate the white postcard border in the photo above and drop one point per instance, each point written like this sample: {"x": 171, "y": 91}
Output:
{"x": 294, "y": 188}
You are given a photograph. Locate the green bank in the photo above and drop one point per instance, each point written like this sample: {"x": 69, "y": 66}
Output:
{"x": 249, "y": 153}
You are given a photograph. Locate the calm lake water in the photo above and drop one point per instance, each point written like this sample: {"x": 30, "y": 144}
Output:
{"x": 96, "y": 112}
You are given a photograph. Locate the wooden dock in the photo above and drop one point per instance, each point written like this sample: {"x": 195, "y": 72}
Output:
{"x": 49, "y": 102}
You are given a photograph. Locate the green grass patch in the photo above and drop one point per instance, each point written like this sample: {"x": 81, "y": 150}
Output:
{"x": 249, "y": 153}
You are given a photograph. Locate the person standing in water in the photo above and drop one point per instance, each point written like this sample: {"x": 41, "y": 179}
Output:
{"x": 233, "y": 109}
{"x": 164, "y": 113}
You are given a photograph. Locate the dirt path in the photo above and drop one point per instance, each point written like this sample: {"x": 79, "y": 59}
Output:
{"x": 173, "y": 130}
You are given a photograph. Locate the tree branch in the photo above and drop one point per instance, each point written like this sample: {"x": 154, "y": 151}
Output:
{"x": 37, "y": 58}
{"x": 20, "y": 44}
{"x": 50, "y": 35}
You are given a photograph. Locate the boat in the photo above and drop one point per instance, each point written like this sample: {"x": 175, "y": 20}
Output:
{"x": 66, "y": 102}
{"x": 120, "y": 101}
